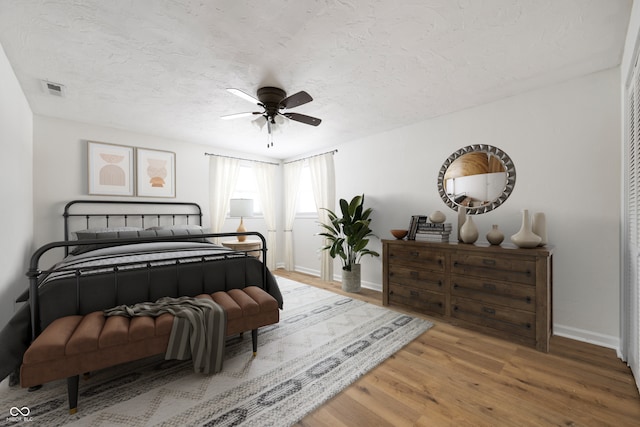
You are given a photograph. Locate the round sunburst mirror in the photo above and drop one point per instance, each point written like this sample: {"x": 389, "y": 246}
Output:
{"x": 479, "y": 177}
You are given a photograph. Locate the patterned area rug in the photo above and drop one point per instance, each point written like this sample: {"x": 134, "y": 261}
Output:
{"x": 323, "y": 343}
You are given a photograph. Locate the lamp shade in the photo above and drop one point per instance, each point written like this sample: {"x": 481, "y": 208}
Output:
{"x": 241, "y": 207}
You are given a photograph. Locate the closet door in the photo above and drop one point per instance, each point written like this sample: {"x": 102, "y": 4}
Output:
{"x": 630, "y": 294}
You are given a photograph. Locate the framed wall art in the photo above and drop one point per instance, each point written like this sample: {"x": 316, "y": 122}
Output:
{"x": 156, "y": 173}
{"x": 110, "y": 169}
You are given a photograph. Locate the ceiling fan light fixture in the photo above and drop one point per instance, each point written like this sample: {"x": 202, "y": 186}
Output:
{"x": 275, "y": 103}
{"x": 259, "y": 122}
{"x": 280, "y": 120}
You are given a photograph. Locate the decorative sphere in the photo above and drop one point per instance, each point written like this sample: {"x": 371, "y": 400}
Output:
{"x": 437, "y": 217}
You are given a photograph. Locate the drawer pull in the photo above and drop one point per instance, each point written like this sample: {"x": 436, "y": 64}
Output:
{"x": 455, "y": 308}
{"x": 489, "y": 286}
{"x": 455, "y": 286}
{"x": 439, "y": 282}
{"x": 390, "y": 292}
{"x": 439, "y": 262}
{"x": 414, "y": 253}
{"x": 455, "y": 263}
{"x": 489, "y": 261}
{"x": 440, "y": 304}
{"x": 488, "y": 310}
{"x": 528, "y": 325}
{"x": 528, "y": 300}
{"x": 528, "y": 273}
{"x": 414, "y": 293}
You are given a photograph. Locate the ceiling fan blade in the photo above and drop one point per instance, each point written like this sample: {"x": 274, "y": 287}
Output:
{"x": 313, "y": 121}
{"x": 238, "y": 115}
{"x": 296, "y": 99}
{"x": 244, "y": 96}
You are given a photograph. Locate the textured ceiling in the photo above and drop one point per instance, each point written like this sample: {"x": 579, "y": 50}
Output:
{"x": 162, "y": 67}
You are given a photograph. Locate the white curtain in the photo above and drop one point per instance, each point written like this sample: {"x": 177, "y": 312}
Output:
{"x": 323, "y": 182}
{"x": 291, "y": 177}
{"x": 266, "y": 179}
{"x": 223, "y": 175}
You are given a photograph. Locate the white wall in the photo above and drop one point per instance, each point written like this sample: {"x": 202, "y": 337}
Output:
{"x": 564, "y": 141}
{"x": 16, "y": 218}
{"x": 60, "y": 173}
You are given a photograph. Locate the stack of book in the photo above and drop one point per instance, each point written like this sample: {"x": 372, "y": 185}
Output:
{"x": 421, "y": 229}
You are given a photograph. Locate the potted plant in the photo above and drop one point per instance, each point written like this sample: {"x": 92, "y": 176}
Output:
{"x": 347, "y": 238}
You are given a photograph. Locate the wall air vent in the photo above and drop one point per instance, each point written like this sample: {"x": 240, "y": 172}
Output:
{"x": 51, "y": 88}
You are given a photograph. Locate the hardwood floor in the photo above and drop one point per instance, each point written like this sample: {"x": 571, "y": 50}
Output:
{"x": 456, "y": 377}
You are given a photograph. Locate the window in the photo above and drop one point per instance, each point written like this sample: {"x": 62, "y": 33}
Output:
{"x": 306, "y": 204}
{"x": 247, "y": 188}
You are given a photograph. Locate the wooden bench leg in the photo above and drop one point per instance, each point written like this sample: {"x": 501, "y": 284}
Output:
{"x": 14, "y": 377}
{"x": 254, "y": 340}
{"x": 72, "y": 391}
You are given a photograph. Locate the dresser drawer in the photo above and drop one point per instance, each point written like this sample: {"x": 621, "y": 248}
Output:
{"x": 417, "y": 278}
{"x": 416, "y": 256}
{"x": 522, "y": 297}
{"x": 515, "y": 322}
{"x": 516, "y": 269}
{"x": 422, "y": 299}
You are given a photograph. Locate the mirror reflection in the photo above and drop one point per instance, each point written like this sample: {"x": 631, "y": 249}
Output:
{"x": 479, "y": 177}
{"x": 475, "y": 179}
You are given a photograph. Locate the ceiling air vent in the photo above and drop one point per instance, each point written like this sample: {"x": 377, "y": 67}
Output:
{"x": 51, "y": 88}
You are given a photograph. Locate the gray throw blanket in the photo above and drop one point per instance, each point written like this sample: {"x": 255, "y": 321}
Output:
{"x": 198, "y": 330}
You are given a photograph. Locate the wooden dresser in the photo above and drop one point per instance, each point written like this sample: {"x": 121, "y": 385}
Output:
{"x": 499, "y": 290}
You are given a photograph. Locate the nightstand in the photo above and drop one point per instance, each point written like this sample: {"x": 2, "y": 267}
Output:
{"x": 252, "y": 247}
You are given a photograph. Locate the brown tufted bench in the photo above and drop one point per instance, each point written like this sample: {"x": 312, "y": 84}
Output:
{"x": 72, "y": 345}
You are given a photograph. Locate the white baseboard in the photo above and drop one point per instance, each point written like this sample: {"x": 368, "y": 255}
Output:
{"x": 590, "y": 337}
{"x": 338, "y": 277}
{"x": 308, "y": 271}
{"x": 371, "y": 285}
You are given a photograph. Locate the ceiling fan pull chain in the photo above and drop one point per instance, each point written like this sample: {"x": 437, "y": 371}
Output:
{"x": 270, "y": 141}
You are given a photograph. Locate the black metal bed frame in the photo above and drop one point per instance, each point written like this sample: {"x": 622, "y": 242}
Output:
{"x": 35, "y": 275}
{"x": 167, "y": 213}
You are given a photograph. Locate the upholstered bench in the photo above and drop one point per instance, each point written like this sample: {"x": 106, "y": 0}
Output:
{"x": 73, "y": 345}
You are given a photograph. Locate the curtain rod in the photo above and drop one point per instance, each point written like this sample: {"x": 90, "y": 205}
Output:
{"x": 315, "y": 155}
{"x": 240, "y": 158}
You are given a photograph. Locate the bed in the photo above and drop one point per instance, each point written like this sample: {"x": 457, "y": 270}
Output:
{"x": 126, "y": 252}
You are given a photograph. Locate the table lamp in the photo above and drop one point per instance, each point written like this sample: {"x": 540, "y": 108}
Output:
{"x": 241, "y": 208}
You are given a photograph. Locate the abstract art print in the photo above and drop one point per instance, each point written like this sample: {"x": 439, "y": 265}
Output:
{"x": 110, "y": 169}
{"x": 156, "y": 173}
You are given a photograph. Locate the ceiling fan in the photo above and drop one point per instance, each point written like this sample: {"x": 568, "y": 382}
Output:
{"x": 275, "y": 104}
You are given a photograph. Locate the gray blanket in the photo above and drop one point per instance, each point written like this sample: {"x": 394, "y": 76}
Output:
{"x": 198, "y": 330}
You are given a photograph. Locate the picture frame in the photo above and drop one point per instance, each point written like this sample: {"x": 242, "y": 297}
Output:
{"x": 156, "y": 173}
{"x": 110, "y": 169}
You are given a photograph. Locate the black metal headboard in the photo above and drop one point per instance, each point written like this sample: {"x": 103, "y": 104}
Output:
{"x": 115, "y": 213}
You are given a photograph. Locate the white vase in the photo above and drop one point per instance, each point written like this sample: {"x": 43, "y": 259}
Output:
{"x": 539, "y": 227}
{"x": 495, "y": 236}
{"x": 469, "y": 231}
{"x": 526, "y": 238}
{"x": 351, "y": 279}
{"x": 462, "y": 217}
